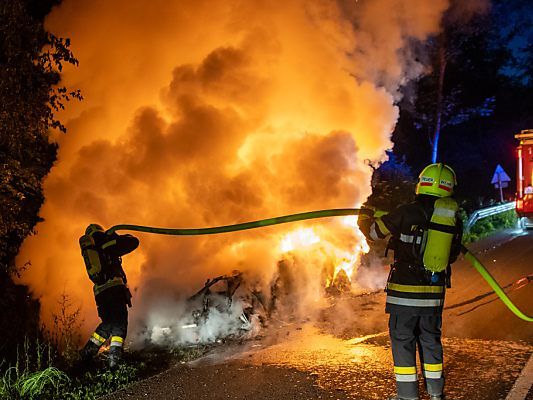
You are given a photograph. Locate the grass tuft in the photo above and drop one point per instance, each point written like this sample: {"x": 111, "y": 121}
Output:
{"x": 34, "y": 385}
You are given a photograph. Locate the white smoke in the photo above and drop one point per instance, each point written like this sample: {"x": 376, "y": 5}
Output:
{"x": 174, "y": 325}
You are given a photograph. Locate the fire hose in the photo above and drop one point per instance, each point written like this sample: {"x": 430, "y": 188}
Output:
{"x": 314, "y": 215}
{"x": 493, "y": 284}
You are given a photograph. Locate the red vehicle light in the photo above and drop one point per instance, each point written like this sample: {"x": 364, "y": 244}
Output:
{"x": 519, "y": 204}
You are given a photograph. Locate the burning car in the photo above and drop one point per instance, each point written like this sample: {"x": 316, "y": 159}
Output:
{"x": 223, "y": 309}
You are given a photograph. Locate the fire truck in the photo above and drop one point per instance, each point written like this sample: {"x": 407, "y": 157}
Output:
{"x": 524, "y": 178}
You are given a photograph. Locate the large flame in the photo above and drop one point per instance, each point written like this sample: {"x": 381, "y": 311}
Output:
{"x": 211, "y": 112}
{"x": 298, "y": 239}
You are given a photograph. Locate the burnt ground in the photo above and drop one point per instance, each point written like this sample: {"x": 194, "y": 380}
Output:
{"x": 486, "y": 347}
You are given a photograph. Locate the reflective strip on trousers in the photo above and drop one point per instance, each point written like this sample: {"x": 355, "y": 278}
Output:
{"x": 405, "y": 370}
{"x": 433, "y": 374}
{"x": 414, "y": 302}
{"x": 117, "y": 341}
{"x": 406, "y": 378}
{"x": 410, "y": 238}
{"x": 433, "y": 371}
{"x": 433, "y": 367}
{"x": 97, "y": 339}
{"x": 405, "y": 374}
{"x": 397, "y": 287}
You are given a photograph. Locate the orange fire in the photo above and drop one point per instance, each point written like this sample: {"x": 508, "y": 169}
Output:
{"x": 340, "y": 258}
{"x": 299, "y": 238}
{"x": 212, "y": 112}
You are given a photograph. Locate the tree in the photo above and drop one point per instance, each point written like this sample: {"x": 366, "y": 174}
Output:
{"x": 29, "y": 97}
{"x": 31, "y": 60}
{"x": 461, "y": 27}
{"x": 393, "y": 183}
{"x": 481, "y": 105}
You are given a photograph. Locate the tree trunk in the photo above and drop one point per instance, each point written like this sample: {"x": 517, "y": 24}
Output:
{"x": 438, "y": 117}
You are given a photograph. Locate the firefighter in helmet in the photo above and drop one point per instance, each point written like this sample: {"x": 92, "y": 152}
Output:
{"x": 426, "y": 238}
{"x": 102, "y": 254}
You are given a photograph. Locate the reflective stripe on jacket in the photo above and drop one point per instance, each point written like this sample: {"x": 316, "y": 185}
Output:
{"x": 117, "y": 281}
{"x": 428, "y": 297}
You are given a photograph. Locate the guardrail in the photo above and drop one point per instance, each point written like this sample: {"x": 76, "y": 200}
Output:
{"x": 488, "y": 212}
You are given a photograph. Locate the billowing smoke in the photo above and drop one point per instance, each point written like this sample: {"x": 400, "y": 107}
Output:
{"x": 203, "y": 113}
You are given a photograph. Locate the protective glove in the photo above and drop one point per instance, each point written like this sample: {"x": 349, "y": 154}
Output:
{"x": 365, "y": 220}
{"x": 365, "y": 213}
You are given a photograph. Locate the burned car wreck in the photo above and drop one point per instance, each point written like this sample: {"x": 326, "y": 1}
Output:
{"x": 225, "y": 308}
{"x": 231, "y": 307}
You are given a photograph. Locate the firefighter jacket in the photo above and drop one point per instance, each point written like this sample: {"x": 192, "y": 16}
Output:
{"x": 411, "y": 288}
{"x": 112, "y": 248}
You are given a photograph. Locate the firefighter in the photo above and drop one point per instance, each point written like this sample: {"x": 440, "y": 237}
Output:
{"x": 102, "y": 255}
{"x": 426, "y": 237}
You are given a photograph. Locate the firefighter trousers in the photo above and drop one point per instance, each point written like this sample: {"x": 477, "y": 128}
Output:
{"x": 406, "y": 333}
{"x": 112, "y": 306}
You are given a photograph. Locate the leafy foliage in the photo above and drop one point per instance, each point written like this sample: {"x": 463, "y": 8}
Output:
{"x": 393, "y": 183}
{"x": 486, "y": 226}
{"x": 486, "y": 99}
{"x": 30, "y": 62}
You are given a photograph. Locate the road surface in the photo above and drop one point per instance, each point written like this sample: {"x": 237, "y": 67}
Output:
{"x": 488, "y": 351}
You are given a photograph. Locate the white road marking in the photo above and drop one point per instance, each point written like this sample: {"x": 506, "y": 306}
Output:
{"x": 522, "y": 385}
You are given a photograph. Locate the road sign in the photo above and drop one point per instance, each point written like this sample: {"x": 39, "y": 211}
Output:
{"x": 500, "y": 175}
{"x": 500, "y": 180}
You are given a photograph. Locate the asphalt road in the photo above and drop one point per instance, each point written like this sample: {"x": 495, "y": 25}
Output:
{"x": 486, "y": 346}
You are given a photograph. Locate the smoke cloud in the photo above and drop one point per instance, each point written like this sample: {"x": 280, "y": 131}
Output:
{"x": 203, "y": 113}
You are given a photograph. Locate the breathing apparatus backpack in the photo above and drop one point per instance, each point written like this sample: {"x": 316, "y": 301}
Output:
{"x": 432, "y": 244}
{"x": 95, "y": 260}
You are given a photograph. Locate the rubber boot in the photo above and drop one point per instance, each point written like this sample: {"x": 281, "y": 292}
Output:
{"x": 88, "y": 352}
{"x": 438, "y": 397}
{"x": 114, "y": 357}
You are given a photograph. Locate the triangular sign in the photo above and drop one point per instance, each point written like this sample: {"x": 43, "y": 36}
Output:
{"x": 500, "y": 175}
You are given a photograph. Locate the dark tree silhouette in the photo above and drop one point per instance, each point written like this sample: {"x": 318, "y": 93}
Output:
{"x": 484, "y": 99}
{"x": 31, "y": 60}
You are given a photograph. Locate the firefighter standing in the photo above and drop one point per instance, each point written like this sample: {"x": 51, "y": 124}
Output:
{"x": 426, "y": 238}
{"x": 102, "y": 255}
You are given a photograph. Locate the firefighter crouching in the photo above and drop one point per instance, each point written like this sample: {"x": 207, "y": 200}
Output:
{"x": 426, "y": 238}
{"x": 102, "y": 255}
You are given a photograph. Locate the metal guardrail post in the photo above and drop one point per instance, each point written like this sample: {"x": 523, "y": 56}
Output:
{"x": 488, "y": 212}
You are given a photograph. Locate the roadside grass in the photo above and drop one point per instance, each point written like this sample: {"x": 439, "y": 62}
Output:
{"x": 35, "y": 377}
{"x": 52, "y": 383}
{"x": 48, "y": 366}
{"x": 98, "y": 382}
{"x": 31, "y": 385}
{"x": 33, "y": 373}
{"x": 486, "y": 226}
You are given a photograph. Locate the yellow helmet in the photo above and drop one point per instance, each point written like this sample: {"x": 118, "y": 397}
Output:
{"x": 436, "y": 180}
{"x": 93, "y": 228}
